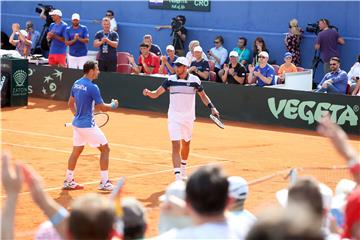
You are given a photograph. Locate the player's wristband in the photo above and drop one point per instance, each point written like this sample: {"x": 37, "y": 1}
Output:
{"x": 355, "y": 169}
{"x": 210, "y": 105}
{"x": 113, "y": 105}
{"x": 59, "y": 216}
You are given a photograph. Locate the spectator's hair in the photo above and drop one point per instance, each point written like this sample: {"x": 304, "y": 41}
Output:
{"x": 89, "y": 65}
{"x": 147, "y": 36}
{"x": 326, "y": 21}
{"x": 306, "y": 191}
{"x": 220, "y": 38}
{"x": 259, "y": 39}
{"x": 294, "y": 28}
{"x": 182, "y": 18}
{"x": 106, "y": 19}
{"x": 207, "y": 191}
{"x": 144, "y": 45}
{"x": 244, "y": 39}
{"x": 110, "y": 11}
{"x": 92, "y": 217}
{"x": 335, "y": 59}
{"x": 193, "y": 43}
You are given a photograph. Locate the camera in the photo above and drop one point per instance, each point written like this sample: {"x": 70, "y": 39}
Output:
{"x": 47, "y": 8}
{"x": 313, "y": 28}
{"x": 176, "y": 24}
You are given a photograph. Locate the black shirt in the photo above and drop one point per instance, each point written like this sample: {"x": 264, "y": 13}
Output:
{"x": 239, "y": 71}
{"x": 177, "y": 42}
{"x": 201, "y": 66}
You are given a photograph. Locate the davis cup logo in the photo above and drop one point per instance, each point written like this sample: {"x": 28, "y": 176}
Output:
{"x": 20, "y": 77}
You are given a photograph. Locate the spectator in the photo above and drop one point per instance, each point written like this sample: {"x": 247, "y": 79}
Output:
{"x": 168, "y": 61}
{"x": 153, "y": 47}
{"x": 135, "y": 222}
{"x": 334, "y": 81}
{"x": 218, "y": 54}
{"x": 77, "y": 38}
{"x": 206, "y": 199}
{"x": 107, "y": 42}
{"x": 235, "y": 72}
{"x": 113, "y": 24}
{"x": 238, "y": 192}
{"x": 259, "y": 46}
{"x": 190, "y": 54}
{"x": 264, "y": 73}
{"x": 35, "y": 37}
{"x": 354, "y": 76}
{"x": 243, "y": 52}
{"x": 292, "y": 41}
{"x": 327, "y": 42}
{"x": 286, "y": 67}
{"x": 148, "y": 62}
{"x": 23, "y": 41}
{"x": 199, "y": 67}
{"x": 56, "y": 34}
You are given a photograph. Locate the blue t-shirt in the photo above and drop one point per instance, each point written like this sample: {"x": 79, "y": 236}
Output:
{"x": 244, "y": 54}
{"x": 86, "y": 95}
{"x": 58, "y": 47}
{"x": 107, "y": 52}
{"x": 172, "y": 64}
{"x": 78, "y": 49}
{"x": 267, "y": 71}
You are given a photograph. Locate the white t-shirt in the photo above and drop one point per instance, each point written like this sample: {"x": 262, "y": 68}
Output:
{"x": 113, "y": 24}
{"x": 204, "y": 231}
{"x": 241, "y": 222}
{"x": 191, "y": 58}
{"x": 182, "y": 97}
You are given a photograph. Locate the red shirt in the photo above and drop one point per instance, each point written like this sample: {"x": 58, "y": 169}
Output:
{"x": 151, "y": 61}
{"x": 352, "y": 212}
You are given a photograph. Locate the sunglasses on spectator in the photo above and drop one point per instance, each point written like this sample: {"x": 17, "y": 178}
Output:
{"x": 216, "y": 42}
{"x": 333, "y": 64}
{"x": 108, "y": 15}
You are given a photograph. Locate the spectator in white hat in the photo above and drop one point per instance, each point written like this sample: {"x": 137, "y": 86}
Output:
{"x": 200, "y": 67}
{"x": 263, "y": 74}
{"x": 168, "y": 62}
{"x": 21, "y": 40}
{"x": 77, "y": 38}
{"x": 235, "y": 72}
{"x": 56, "y": 35}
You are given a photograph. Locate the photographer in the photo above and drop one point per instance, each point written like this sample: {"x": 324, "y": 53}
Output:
{"x": 178, "y": 34}
{"x": 43, "y": 11}
{"x": 327, "y": 42}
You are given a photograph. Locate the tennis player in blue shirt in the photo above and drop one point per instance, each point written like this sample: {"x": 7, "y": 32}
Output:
{"x": 85, "y": 96}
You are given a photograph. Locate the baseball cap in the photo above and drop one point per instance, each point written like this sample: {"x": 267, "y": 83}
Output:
{"x": 170, "y": 47}
{"x": 233, "y": 54}
{"x": 24, "y": 33}
{"x": 176, "y": 189}
{"x": 264, "y": 54}
{"x": 134, "y": 212}
{"x": 287, "y": 54}
{"x": 198, "y": 49}
{"x": 342, "y": 190}
{"x": 238, "y": 187}
{"x": 181, "y": 61}
{"x": 56, "y": 12}
{"x": 75, "y": 16}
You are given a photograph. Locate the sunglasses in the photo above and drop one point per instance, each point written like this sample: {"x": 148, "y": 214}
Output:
{"x": 216, "y": 42}
{"x": 333, "y": 64}
{"x": 262, "y": 57}
{"x": 108, "y": 15}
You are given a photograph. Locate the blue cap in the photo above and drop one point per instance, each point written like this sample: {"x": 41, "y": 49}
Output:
{"x": 288, "y": 54}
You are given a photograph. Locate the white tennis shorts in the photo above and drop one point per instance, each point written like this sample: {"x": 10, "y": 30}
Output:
{"x": 180, "y": 130}
{"x": 76, "y": 62}
{"x": 92, "y": 136}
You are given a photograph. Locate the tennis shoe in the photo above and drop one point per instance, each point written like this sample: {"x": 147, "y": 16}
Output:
{"x": 108, "y": 186}
{"x": 72, "y": 185}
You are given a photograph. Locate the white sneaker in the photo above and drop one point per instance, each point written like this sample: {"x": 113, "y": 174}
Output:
{"x": 108, "y": 186}
{"x": 72, "y": 185}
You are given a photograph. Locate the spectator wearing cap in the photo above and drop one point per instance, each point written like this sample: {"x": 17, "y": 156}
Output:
{"x": 243, "y": 52}
{"x": 172, "y": 208}
{"x": 56, "y": 34}
{"x": 237, "y": 214}
{"x": 334, "y": 81}
{"x": 168, "y": 61}
{"x": 235, "y": 72}
{"x": 218, "y": 54}
{"x": 263, "y": 74}
{"x": 34, "y": 35}
{"x": 77, "y": 38}
{"x": 148, "y": 62}
{"x": 107, "y": 42}
{"x": 199, "y": 67}
{"x": 190, "y": 54}
{"x": 286, "y": 67}
{"x": 21, "y": 40}
{"x": 153, "y": 47}
{"x": 134, "y": 218}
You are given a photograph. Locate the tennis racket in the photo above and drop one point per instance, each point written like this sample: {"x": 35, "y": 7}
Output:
{"x": 217, "y": 121}
{"x": 101, "y": 119}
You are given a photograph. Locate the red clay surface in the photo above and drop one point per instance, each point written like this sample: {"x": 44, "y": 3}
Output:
{"x": 140, "y": 151}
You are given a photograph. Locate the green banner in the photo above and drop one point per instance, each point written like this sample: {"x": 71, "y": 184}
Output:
{"x": 182, "y": 5}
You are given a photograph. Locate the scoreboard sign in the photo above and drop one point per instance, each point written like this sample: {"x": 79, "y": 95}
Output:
{"x": 189, "y": 5}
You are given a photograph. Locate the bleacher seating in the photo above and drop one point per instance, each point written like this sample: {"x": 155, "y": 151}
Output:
{"x": 212, "y": 65}
{"x": 123, "y": 57}
{"x": 212, "y": 75}
{"x": 124, "y": 68}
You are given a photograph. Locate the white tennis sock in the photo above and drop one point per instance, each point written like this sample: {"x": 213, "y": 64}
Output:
{"x": 69, "y": 175}
{"x": 104, "y": 176}
{"x": 183, "y": 168}
{"x": 177, "y": 173}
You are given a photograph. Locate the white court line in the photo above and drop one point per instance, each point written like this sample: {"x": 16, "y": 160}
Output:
{"x": 69, "y": 152}
{"x": 112, "y": 144}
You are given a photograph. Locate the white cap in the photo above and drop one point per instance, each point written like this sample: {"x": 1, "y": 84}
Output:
{"x": 198, "y": 49}
{"x": 75, "y": 16}
{"x": 343, "y": 189}
{"x": 182, "y": 61}
{"x": 264, "y": 54}
{"x": 170, "y": 47}
{"x": 233, "y": 54}
{"x": 24, "y": 33}
{"x": 238, "y": 187}
{"x": 176, "y": 189}
{"x": 56, "y": 12}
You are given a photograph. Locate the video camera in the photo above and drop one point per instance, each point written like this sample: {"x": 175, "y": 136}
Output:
{"x": 47, "y": 9}
{"x": 177, "y": 23}
{"x": 314, "y": 28}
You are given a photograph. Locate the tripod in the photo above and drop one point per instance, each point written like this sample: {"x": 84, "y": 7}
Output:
{"x": 177, "y": 42}
{"x": 315, "y": 63}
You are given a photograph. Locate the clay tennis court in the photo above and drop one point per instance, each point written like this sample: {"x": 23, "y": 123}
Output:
{"x": 140, "y": 151}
